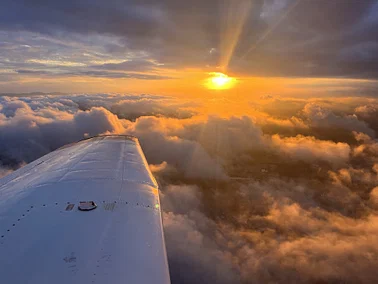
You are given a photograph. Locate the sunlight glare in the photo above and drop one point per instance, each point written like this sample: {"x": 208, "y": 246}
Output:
{"x": 220, "y": 81}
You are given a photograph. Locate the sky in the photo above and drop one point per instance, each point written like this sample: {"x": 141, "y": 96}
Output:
{"x": 259, "y": 120}
{"x": 170, "y": 47}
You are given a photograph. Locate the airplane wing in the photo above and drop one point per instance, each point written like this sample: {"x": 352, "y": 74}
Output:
{"x": 86, "y": 213}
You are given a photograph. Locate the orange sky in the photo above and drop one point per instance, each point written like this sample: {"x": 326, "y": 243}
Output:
{"x": 270, "y": 48}
{"x": 191, "y": 83}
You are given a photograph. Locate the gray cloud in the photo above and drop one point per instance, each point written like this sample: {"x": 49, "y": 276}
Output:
{"x": 321, "y": 38}
{"x": 94, "y": 73}
{"x": 132, "y": 65}
{"x": 131, "y": 108}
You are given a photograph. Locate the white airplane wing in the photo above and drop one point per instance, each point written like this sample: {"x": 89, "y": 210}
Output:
{"x": 85, "y": 213}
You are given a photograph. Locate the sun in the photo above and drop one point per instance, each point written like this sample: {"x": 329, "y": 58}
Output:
{"x": 219, "y": 81}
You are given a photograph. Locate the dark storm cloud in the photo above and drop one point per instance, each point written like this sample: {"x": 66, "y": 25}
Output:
{"x": 317, "y": 38}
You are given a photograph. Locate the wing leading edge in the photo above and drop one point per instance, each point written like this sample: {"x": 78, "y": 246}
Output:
{"x": 45, "y": 238}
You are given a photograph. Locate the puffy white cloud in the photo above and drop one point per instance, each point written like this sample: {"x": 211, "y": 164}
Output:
{"x": 366, "y": 110}
{"x": 9, "y": 106}
{"x": 310, "y": 149}
{"x": 319, "y": 116}
{"x": 131, "y": 108}
{"x": 186, "y": 155}
{"x": 374, "y": 196}
{"x": 190, "y": 241}
{"x": 30, "y": 134}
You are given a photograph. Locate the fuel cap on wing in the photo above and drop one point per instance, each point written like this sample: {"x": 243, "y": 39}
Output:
{"x": 87, "y": 205}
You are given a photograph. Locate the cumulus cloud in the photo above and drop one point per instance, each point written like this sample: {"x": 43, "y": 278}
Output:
{"x": 321, "y": 117}
{"x": 186, "y": 155}
{"x": 243, "y": 202}
{"x": 310, "y": 149}
{"x": 374, "y": 196}
{"x": 30, "y": 134}
{"x": 9, "y": 107}
{"x": 131, "y": 109}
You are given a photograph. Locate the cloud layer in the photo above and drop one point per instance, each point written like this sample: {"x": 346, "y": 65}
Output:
{"x": 287, "y": 193}
{"x": 123, "y": 38}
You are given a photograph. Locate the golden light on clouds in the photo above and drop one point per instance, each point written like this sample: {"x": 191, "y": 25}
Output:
{"x": 220, "y": 81}
{"x": 57, "y": 63}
